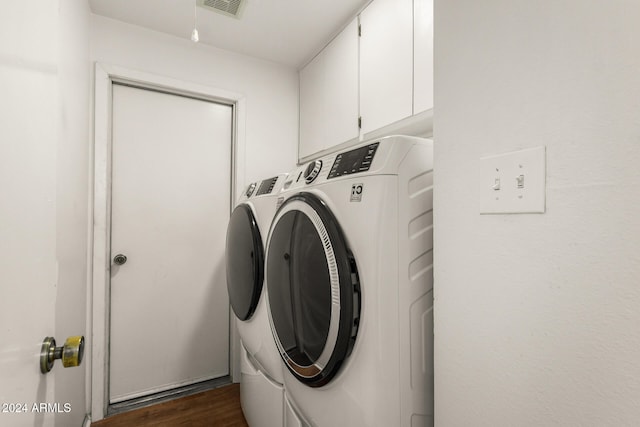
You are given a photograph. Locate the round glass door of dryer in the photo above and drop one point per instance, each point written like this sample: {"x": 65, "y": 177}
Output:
{"x": 244, "y": 261}
{"x": 313, "y": 289}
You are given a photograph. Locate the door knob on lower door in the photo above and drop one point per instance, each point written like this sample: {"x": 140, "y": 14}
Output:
{"x": 71, "y": 353}
{"x": 119, "y": 259}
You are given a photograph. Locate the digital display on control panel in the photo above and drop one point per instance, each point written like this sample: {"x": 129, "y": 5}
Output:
{"x": 354, "y": 161}
{"x": 266, "y": 186}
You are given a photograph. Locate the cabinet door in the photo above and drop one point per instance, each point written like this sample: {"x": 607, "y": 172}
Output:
{"x": 341, "y": 86}
{"x": 311, "y": 107}
{"x": 329, "y": 95}
{"x": 386, "y": 63}
{"x": 423, "y": 56}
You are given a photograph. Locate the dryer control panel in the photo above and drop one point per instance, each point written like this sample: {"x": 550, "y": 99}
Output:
{"x": 266, "y": 186}
{"x": 354, "y": 161}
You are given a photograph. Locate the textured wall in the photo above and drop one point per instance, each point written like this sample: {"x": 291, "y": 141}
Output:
{"x": 537, "y": 317}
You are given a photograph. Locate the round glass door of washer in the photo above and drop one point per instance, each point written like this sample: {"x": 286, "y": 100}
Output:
{"x": 313, "y": 289}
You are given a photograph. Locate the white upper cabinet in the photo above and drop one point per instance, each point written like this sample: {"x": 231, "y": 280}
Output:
{"x": 329, "y": 95}
{"x": 386, "y": 63}
{"x": 311, "y": 108}
{"x": 423, "y": 55}
{"x": 385, "y": 76}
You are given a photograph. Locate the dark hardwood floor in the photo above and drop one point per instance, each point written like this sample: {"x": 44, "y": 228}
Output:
{"x": 219, "y": 407}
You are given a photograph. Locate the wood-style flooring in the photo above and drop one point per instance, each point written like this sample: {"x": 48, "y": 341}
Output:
{"x": 219, "y": 407}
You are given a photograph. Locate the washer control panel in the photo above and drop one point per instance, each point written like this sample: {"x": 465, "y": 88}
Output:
{"x": 354, "y": 161}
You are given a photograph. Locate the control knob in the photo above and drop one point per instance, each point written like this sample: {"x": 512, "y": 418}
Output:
{"x": 250, "y": 189}
{"x": 312, "y": 171}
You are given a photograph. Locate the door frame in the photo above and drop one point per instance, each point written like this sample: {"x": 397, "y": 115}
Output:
{"x": 99, "y": 232}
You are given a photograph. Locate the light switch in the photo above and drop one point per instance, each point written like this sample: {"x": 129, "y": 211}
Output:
{"x": 513, "y": 182}
{"x": 496, "y": 184}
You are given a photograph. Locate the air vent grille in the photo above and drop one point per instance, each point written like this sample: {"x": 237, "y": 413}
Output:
{"x": 226, "y": 7}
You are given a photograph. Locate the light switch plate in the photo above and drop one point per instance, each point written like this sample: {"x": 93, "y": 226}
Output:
{"x": 513, "y": 182}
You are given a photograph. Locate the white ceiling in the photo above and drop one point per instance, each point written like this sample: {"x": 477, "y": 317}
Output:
{"x": 289, "y": 32}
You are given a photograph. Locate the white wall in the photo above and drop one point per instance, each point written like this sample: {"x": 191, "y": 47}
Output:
{"x": 44, "y": 86}
{"x": 271, "y": 90}
{"x": 537, "y": 317}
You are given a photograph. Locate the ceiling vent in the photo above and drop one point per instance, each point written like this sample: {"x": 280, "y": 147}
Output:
{"x": 231, "y": 8}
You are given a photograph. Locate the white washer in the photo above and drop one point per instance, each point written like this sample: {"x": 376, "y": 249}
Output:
{"x": 350, "y": 287}
{"x": 261, "y": 382}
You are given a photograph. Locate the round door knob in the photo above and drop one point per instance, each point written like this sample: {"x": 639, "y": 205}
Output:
{"x": 71, "y": 353}
{"x": 119, "y": 259}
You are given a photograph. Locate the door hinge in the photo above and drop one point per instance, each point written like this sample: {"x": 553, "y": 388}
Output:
{"x": 360, "y": 122}
{"x": 359, "y": 30}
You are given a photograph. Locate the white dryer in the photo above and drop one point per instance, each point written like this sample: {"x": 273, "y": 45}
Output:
{"x": 350, "y": 287}
{"x": 261, "y": 382}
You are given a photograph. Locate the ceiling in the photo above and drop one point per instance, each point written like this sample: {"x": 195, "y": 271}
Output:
{"x": 289, "y": 32}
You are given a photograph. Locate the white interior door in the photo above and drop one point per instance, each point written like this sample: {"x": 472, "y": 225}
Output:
{"x": 170, "y": 204}
{"x": 44, "y": 128}
{"x": 28, "y": 253}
